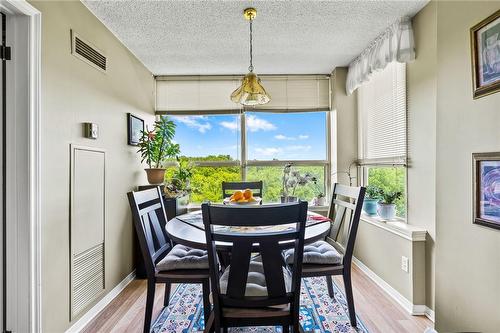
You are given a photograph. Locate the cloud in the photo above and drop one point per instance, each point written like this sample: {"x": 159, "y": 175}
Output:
{"x": 303, "y": 136}
{"x": 199, "y": 123}
{"x": 231, "y": 125}
{"x": 283, "y": 137}
{"x": 268, "y": 151}
{"x": 298, "y": 147}
{"x": 255, "y": 124}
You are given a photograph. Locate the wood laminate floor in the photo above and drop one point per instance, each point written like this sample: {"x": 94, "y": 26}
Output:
{"x": 377, "y": 310}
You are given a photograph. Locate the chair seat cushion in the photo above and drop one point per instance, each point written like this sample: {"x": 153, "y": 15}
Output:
{"x": 320, "y": 252}
{"x": 256, "y": 281}
{"x": 183, "y": 257}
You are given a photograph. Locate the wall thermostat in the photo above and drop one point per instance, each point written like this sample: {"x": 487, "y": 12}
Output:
{"x": 90, "y": 130}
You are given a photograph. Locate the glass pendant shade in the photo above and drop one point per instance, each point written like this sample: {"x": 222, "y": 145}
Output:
{"x": 251, "y": 91}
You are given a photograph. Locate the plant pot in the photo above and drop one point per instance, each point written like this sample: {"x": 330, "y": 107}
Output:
{"x": 387, "y": 211}
{"x": 155, "y": 175}
{"x": 370, "y": 206}
{"x": 321, "y": 201}
{"x": 285, "y": 199}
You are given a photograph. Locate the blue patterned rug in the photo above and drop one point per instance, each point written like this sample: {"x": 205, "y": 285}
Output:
{"x": 318, "y": 312}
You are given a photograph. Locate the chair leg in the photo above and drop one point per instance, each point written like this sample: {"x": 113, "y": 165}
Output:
{"x": 150, "y": 298}
{"x": 286, "y": 329}
{"x": 349, "y": 296}
{"x": 166, "y": 299}
{"x": 329, "y": 285}
{"x": 206, "y": 299}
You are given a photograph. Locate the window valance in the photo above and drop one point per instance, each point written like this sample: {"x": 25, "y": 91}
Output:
{"x": 394, "y": 44}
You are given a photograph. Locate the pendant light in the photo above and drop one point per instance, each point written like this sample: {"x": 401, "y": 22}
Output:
{"x": 251, "y": 91}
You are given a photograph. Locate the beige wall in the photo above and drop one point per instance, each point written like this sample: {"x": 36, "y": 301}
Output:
{"x": 421, "y": 93}
{"x": 344, "y": 117}
{"x": 72, "y": 93}
{"x": 467, "y": 255}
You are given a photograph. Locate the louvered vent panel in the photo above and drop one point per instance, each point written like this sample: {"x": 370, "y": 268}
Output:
{"x": 88, "y": 53}
{"x": 87, "y": 278}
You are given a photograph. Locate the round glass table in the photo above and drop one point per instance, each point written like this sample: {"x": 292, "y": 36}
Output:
{"x": 188, "y": 230}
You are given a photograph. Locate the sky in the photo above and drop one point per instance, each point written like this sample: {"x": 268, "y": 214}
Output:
{"x": 282, "y": 136}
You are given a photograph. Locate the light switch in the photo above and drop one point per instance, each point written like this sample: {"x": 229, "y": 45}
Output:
{"x": 90, "y": 130}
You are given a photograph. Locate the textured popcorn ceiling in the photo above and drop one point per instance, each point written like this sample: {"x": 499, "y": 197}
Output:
{"x": 211, "y": 37}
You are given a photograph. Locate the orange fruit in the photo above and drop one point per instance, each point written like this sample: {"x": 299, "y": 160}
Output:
{"x": 237, "y": 195}
{"x": 247, "y": 194}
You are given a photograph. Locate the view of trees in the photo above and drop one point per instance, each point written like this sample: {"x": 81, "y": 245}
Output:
{"x": 206, "y": 181}
{"x": 390, "y": 179}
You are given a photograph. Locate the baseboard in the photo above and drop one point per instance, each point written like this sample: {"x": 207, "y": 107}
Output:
{"x": 416, "y": 310}
{"x": 94, "y": 311}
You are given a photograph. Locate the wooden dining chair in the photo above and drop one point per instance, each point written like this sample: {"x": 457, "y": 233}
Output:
{"x": 333, "y": 256}
{"x": 228, "y": 188}
{"x": 165, "y": 263}
{"x": 255, "y": 290}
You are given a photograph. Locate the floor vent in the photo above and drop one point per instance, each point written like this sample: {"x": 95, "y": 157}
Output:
{"x": 85, "y": 51}
{"x": 88, "y": 278}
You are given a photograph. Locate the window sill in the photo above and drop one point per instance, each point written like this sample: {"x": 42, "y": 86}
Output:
{"x": 397, "y": 227}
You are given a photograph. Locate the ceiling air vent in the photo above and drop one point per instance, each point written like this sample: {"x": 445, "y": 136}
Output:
{"x": 85, "y": 51}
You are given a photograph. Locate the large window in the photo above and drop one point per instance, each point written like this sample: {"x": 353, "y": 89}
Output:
{"x": 382, "y": 117}
{"x": 253, "y": 146}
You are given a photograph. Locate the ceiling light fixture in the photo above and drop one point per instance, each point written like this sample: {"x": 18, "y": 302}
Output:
{"x": 251, "y": 91}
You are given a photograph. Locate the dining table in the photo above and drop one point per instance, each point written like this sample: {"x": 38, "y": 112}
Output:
{"x": 188, "y": 229}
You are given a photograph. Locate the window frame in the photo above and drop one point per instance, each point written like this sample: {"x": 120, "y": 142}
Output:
{"x": 397, "y": 161}
{"x": 242, "y": 162}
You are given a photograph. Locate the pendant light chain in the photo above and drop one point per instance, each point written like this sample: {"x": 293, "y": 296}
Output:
{"x": 250, "y": 68}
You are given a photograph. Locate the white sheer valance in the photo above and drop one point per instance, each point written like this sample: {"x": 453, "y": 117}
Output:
{"x": 394, "y": 44}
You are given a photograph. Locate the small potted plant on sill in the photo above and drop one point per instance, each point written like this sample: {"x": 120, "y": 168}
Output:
{"x": 387, "y": 205}
{"x": 373, "y": 195}
{"x": 319, "y": 200}
{"x": 155, "y": 146}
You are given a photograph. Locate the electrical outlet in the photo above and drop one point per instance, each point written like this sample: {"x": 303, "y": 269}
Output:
{"x": 404, "y": 264}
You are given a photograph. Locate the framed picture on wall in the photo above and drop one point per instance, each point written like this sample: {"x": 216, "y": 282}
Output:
{"x": 486, "y": 187}
{"x": 485, "y": 49}
{"x": 135, "y": 127}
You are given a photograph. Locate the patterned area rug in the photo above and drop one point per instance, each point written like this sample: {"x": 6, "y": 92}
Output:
{"x": 318, "y": 312}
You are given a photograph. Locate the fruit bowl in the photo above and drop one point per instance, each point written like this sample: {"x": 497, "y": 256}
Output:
{"x": 255, "y": 201}
{"x": 242, "y": 198}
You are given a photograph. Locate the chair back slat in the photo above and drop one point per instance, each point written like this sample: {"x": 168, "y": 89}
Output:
{"x": 158, "y": 232}
{"x": 292, "y": 217}
{"x": 228, "y": 188}
{"x": 345, "y": 212}
{"x": 273, "y": 263}
{"x": 149, "y": 219}
{"x": 241, "y": 253}
{"x": 248, "y": 216}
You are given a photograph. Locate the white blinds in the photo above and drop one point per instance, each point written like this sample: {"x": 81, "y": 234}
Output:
{"x": 382, "y": 116}
{"x": 211, "y": 93}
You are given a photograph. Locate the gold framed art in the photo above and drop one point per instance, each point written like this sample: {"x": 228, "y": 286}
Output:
{"x": 486, "y": 189}
{"x": 485, "y": 50}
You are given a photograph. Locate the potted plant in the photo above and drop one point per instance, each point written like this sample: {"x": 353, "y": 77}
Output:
{"x": 372, "y": 196}
{"x": 180, "y": 183}
{"x": 387, "y": 205}
{"x": 291, "y": 180}
{"x": 319, "y": 200}
{"x": 155, "y": 146}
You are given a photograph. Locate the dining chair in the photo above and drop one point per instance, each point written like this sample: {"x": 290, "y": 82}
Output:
{"x": 228, "y": 188}
{"x": 333, "y": 256}
{"x": 165, "y": 263}
{"x": 255, "y": 290}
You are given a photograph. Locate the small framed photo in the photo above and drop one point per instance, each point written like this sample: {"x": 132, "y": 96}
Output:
{"x": 485, "y": 49}
{"x": 135, "y": 128}
{"x": 486, "y": 186}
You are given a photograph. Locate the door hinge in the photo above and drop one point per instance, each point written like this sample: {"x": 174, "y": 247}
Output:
{"x": 5, "y": 52}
